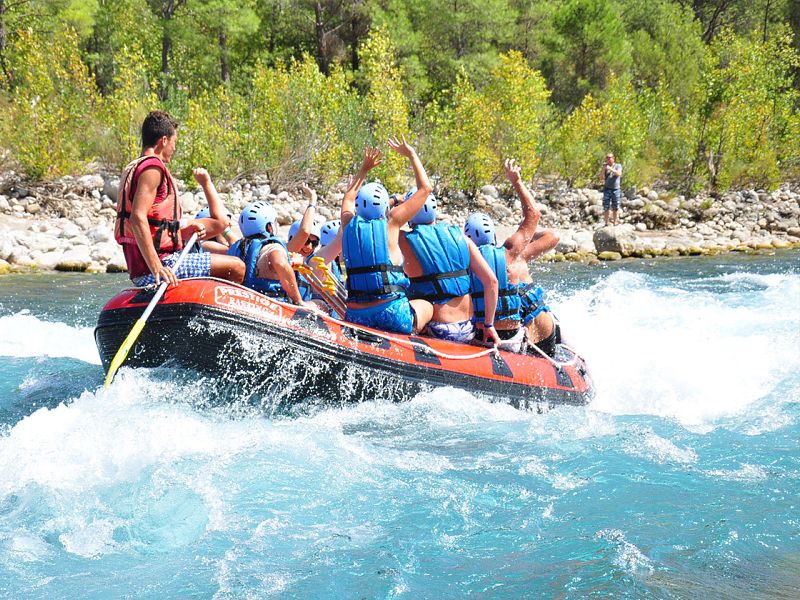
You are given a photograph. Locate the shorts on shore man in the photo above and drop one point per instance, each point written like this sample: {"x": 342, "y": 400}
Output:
{"x": 611, "y": 198}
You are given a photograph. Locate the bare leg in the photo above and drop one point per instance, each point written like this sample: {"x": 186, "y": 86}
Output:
{"x": 227, "y": 267}
{"x": 424, "y": 311}
{"x": 605, "y": 217}
{"x": 614, "y": 219}
{"x": 541, "y": 327}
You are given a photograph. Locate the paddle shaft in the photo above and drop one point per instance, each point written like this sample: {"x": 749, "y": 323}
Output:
{"x": 126, "y": 346}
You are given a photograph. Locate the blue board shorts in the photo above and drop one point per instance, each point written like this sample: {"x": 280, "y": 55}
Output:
{"x": 460, "y": 331}
{"x": 195, "y": 264}
{"x": 395, "y": 316}
{"x": 611, "y": 198}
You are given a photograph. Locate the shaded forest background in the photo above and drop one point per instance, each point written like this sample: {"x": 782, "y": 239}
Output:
{"x": 689, "y": 94}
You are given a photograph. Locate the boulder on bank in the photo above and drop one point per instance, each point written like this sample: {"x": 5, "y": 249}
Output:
{"x": 620, "y": 239}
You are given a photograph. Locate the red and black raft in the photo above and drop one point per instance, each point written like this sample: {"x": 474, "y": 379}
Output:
{"x": 292, "y": 354}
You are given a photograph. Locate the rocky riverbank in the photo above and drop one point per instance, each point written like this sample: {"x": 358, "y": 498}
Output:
{"x": 68, "y": 224}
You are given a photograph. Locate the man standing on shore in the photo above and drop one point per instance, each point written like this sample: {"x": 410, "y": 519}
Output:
{"x": 610, "y": 175}
{"x": 148, "y": 224}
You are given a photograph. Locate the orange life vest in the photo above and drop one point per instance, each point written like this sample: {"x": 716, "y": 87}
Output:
{"x": 164, "y": 215}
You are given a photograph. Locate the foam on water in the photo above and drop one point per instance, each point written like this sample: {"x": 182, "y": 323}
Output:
{"x": 696, "y": 356}
{"x": 24, "y": 335}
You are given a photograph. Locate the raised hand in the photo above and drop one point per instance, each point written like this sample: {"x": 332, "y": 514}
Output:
{"x": 201, "y": 176}
{"x": 309, "y": 193}
{"x": 401, "y": 146}
{"x": 513, "y": 171}
{"x": 372, "y": 158}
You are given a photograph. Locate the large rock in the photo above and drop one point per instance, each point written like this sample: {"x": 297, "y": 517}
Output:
{"x": 76, "y": 259}
{"x": 620, "y": 238}
{"x": 91, "y": 182}
{"x": 585, "y": 241}
{"x": 98, "y": 234}
{"x": 111, "y": 187}
{"x": 188, "y": 203}
{"x": 490, "y": 190}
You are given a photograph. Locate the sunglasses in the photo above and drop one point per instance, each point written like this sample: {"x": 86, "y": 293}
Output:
{"x": 314, "y": 243}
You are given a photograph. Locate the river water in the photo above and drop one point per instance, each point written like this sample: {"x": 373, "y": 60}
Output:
{"x": 681, "y": 479}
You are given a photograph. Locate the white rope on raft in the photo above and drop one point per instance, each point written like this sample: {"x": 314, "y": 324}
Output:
{"x": 401, "y": 341}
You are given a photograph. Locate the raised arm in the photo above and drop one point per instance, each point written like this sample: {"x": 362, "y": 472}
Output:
{"x": 543, "y": 241}
{"x": 516, "y": 243}
{"x": 299, "y": 240}
{"x": 401, "y": 213}
{"x": 484, "y": 273}
{"x": 372, "y": 158}
{"x": 215, "y": 207}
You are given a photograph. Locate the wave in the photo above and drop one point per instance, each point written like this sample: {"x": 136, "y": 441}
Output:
{"x": 697, "y": 356}
{"x": 23, "y": 335}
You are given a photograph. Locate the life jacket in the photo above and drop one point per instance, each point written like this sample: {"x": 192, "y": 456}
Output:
{"x": 508, "y": 300}
{"x": 370, "y": 272}
{"x": 306, "y": 291}
{"x": 532, "y": 302}
{"x": 164, "y": 215}
{"x": 249, "y": 249}
{"x": 443, "y": 254}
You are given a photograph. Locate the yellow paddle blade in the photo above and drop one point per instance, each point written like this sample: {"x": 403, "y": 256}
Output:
{"x": 123, "y": 351}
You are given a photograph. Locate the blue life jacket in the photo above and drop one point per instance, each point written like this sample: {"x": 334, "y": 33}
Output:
{"x": 443, "y": 254}
{"x": 249, "y": 249}
{"x": 532, "y": 302}
{"x": 370, "y": 272}
{"x": 508, "y": 300}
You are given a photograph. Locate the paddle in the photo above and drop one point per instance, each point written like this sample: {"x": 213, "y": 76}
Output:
{"x": 126, "y": 346}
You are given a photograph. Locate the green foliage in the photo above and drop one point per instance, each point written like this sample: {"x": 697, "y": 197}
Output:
{"x": 578, "y": 145}
{"x": 387, "y": 106}
{"x": 54, "y": 99}
{"x": 122, "y": 112}
{"x": 296, "y": 88}
{"x": 751, "y": 103}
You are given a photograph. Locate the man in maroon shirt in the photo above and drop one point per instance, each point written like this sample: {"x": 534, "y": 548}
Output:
{"x": 149, "y": 214}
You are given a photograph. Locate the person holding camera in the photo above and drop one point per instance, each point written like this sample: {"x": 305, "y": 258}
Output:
{"x": 610, "y": 175}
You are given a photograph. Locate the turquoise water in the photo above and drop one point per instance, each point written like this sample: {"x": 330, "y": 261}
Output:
{"x": 681, "y": 480}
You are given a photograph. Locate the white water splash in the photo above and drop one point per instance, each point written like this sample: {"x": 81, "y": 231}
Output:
{"x": 696, "y": 356}
{"x": 24, "y": 335}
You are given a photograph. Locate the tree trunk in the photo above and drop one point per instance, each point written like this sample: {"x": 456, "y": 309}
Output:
{"x": 319, "y": 31}
{"x": 3, "y": 42}
{"x": 166, "y": 45}
{"x": 225, "y": 70}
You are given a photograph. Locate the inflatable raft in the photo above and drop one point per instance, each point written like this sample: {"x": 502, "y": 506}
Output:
{"x": 291, "y": 354}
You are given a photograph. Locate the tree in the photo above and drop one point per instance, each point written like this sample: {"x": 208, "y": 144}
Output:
{"x": 589, "y": 44}
{"x": 165, "y": 11}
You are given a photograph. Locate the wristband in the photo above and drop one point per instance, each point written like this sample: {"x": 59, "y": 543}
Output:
{"x": 488, "y": 325}
{"x": 311, "y": 206}
{"x": 227, "y": 231}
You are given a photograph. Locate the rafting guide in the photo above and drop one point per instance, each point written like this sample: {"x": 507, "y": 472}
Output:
{"x": 148, "y": 224}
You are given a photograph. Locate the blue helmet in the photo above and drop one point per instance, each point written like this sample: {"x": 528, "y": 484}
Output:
{"x": 315, "y": 227}
{"x": 426, "y": 214}
{"x": 480, "y": 229}
{"x": 372, "y": 201}
{"x": 328, "y": 232}
{"x": 205, "y": 213}
{"x": 256, "y": 217}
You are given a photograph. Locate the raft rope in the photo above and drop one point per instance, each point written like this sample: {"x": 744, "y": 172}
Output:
{"x": 410, "y": 343}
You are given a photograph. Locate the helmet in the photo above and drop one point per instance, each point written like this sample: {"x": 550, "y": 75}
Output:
{"x": 256, "y": 217}
{"x": 205, "y": 213}
{"x": 372, "y": 201}
{"x": 480, "y": 229}
{"x": 329, "y": 231}
{"x": 315, "y": 227}
{"x": 426, "y": 214}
